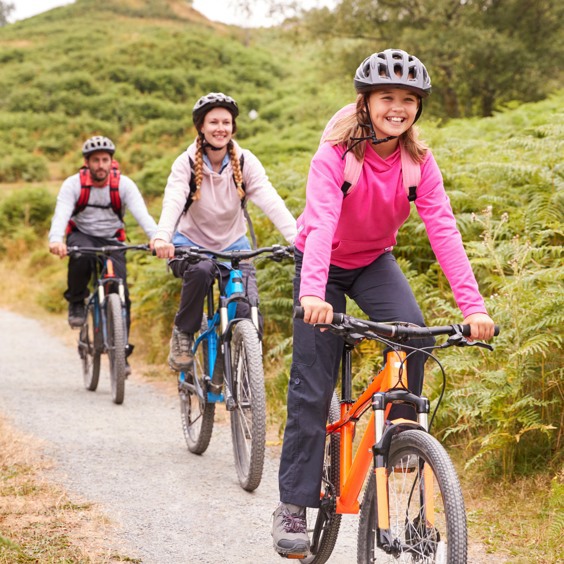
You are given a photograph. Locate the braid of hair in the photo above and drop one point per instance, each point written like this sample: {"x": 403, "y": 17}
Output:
{"x": 198, "y": 168}
{"x": 237, "y": 173}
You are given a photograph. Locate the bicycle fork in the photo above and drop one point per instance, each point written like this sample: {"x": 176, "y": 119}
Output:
{"x": 381, "y": 404}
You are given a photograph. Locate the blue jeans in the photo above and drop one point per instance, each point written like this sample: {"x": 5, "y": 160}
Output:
{"x": 383, "y": 293}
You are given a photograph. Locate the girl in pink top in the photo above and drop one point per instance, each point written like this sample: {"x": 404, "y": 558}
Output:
{"x": 344, "y": 248}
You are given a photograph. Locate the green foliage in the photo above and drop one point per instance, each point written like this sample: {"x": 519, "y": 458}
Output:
{"x": 30, "y": 207}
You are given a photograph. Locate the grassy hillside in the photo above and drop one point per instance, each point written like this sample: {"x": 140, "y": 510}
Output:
{"x": 133, "y": 69}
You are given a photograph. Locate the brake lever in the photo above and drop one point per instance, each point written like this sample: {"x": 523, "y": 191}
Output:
{"x": 459, "y": 340}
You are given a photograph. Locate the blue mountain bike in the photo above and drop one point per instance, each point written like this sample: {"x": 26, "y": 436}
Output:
{"x": 227, "y": 365}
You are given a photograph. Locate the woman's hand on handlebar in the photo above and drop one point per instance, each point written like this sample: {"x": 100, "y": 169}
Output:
{"x": 316, "y": 310}
{"x": 162, "y": 249}
{"x": 481, "y": 325}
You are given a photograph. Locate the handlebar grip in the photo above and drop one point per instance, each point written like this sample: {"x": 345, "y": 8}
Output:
{"x": 466, "y": 330}
{"x": 338, "y": 318}
{"x": 298, "y": 312}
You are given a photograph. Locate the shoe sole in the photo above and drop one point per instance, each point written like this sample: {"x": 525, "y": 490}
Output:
{"x": 179, "y": 367}
{"x": 292, "y": 554}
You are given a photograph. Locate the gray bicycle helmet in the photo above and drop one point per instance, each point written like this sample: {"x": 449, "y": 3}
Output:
{"x": 210, "y": 101}
{"x": 392, "y": 68}
{"x": 98, "y": 143}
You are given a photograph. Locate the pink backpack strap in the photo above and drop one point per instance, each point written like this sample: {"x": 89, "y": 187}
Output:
{"x": 411, "y": 173}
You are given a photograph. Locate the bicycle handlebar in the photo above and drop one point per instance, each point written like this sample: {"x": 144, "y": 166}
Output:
{"x": 197, "y": 254}
{"x": 391, "y": 330}
{"x": 106, "y": 250}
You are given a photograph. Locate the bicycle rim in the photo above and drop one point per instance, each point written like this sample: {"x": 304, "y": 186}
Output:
{"x": 248, "y": 419}
{"x": 116, "y": 347}
{"x": 197, "y": 414}
{"x": 323, "y": 522}
{"x": 89, "y": 351}
{"x": 427, "y": 520}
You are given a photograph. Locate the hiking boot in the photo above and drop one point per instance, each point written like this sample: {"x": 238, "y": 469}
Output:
{"x": 181, "y": 355}
{"x": 289, "y": 532}
{"x": 77, "y": 314}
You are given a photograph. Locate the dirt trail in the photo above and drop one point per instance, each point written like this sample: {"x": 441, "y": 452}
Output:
{"x": 169, "y": 506}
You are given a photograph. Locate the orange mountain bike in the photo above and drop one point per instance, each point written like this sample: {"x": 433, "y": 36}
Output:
{"x": 412, "y": 509}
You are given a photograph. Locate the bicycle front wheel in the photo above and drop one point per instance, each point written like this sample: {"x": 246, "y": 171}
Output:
{"x": 89, "y": 349}
{"x": 116, "y": 346}
{"x": 323, "y": 523}
{"x": 426, "y": 510}
{"x": 248, "y": 419}
{"x": 197, "y": 413}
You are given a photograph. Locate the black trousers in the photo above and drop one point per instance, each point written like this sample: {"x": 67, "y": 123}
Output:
{"x": 196, "y": 282}
{"x": 81, "y": 268}
{"x": 383, "y": 293}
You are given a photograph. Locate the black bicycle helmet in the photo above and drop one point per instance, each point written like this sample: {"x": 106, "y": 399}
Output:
{"x": 98, "y": 143}
{"x": 392, "y": 68}
{"x": 210, "y": 101}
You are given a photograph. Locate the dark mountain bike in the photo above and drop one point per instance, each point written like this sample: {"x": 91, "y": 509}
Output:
{"x": 413, "y": 509}
{"x": 105, "y": 327}
{"x": 227, "y": 365}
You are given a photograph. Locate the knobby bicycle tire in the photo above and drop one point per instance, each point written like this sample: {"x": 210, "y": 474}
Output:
{"x": 414, "y": 539}
{"x": 248, "y": 419}
{"x": 197, "y": 416}
{"x": 323, "y": 523}
{"x": 116, "y": 346}
{"x": 89, "y": 349}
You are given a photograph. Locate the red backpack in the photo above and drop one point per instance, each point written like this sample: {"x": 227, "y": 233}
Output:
{"x": 86, "y": 187}
{"x": 411, "y": 171}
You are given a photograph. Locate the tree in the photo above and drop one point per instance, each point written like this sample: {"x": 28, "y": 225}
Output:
{"x": 5, "y": 10}
{"x": 480, "y": 53}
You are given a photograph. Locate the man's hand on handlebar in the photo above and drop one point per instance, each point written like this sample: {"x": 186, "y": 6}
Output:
{"x": 58, "y": 248}
{"x": 162, "y": 249}
{"x": 316, "y": 310}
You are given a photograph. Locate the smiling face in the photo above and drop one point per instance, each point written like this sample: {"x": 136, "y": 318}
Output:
{"x": 392, "y": 111}
{"x": 218, "y": 127}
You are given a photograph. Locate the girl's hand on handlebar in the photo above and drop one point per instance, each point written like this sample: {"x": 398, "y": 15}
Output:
{"x": 481, "y": 325}
{"x": 162, "y": 248}
{"x": 316, "y": 310}
{"x": 59, "y": 249}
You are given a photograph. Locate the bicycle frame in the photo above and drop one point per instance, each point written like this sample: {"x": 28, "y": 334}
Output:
{"x": 386, "y": 388}
{"x": 218, "y": 334}
{"x": 102, "y": 277}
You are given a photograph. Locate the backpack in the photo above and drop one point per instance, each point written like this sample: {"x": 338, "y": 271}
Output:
{"x": 86, "y": 187}
{"x": 411, "y": 171}
{"x": 193, "y": 188}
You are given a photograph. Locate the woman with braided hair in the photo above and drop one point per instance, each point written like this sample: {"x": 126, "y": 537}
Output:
{"x": 203, "y": 206}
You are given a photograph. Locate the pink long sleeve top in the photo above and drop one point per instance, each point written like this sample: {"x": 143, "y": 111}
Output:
{"x": 352, "y": 232}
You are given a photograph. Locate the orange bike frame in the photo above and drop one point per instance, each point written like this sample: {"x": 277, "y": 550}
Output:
{"x": 354, "y": 469}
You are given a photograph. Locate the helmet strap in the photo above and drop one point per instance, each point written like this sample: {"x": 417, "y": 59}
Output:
{"x": 206, "y": 144}
{"x": 373, "y": 138}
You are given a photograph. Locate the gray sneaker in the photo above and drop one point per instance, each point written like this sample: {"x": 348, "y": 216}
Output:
{"x": 181, "y": 355}
{"x": 289, "y": 531}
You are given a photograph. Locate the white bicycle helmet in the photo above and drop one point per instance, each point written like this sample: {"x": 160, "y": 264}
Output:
{"x": 210, "y": 101}
{"x": 98, "y": 143}
{"x": 392, "y": 68}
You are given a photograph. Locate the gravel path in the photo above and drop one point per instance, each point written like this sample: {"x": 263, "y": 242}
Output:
{"x": 170, "y": 506}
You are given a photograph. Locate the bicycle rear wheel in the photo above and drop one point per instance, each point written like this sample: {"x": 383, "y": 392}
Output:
{"x": 323, "y": 522}
{"x": 116, "y": 346}
{"x": 248, "y": 419}
{"x": 197, "y": 413}
{"x": 89, "y": 349}
{"x": 427, "y": 520}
